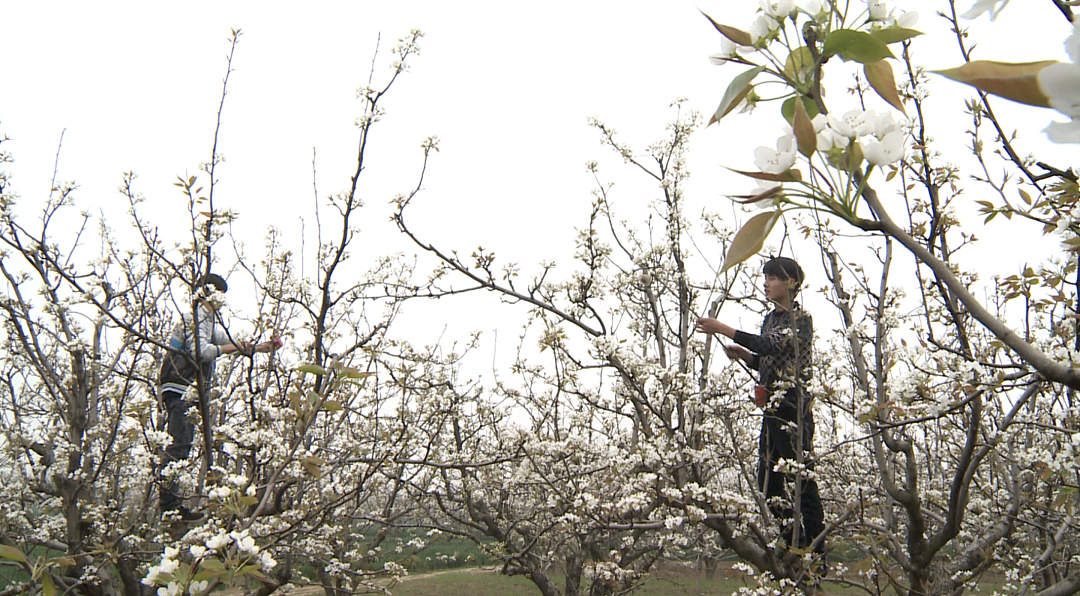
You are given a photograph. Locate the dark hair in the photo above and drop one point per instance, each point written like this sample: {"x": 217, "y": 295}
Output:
{"x": 212, "y": 279}
{"x": 785, "y": 269}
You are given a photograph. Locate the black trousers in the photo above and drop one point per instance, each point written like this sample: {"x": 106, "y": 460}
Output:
{"x": 182, "y": 431}
{"x": 778, "y": 441}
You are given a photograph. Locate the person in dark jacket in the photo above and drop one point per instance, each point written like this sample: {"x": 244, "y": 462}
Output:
{"x": 193, "y": 344}
{"x": 782, "y": 354}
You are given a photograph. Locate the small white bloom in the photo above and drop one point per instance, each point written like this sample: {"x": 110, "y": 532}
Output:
{"x": 216, "y": 542}
{"x": 841, "y": 127}
{"x": 830, "y": 139}
{"x": 908, "y": 19}
{"x": 887, "y": 150}
{"x": 267, "y": 561}
{"x": 878, "y": 10}
{"x": 168, "y": 565}
{"x": 197, "y": 551}
{"x": 884, "y": 124}
{"x": 778, "y": 161}
{"x": 763, "y": 26}
{"x": 778, "y": 10}
{"x": 863, "y": 123}
{"x": 246, "y": 544}
{"x": 198, "y": 587}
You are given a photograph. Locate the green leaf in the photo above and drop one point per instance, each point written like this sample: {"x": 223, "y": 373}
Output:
{"x": 212, "y": 565}
{"x": 859, "y": 46}
{"x": 749, "y": 240}
{"x": 48, "y": 588}
{"x": 312, "y": 465}
{"x": 736, "y": 35}
{"x": 737, "y": 89}
{"x": 799, "y": 60}
{"x": 253, "y": 571}
{"x": 311, "y": 368}
{"x": 353, "y": 373}
{"x": 880, "y": 76}
{"x": 12, "y": 554}
{"x": 205, "y": 574}
{"x": 332, "y": 406}
{"x": 894, "y": 34}
{"x": 787, "y": 109}
{"x": 63, "y": 561}
{"x": 1015, "y": 81}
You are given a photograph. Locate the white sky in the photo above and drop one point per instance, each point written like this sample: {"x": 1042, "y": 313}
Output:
{"x": 506, "y": 86}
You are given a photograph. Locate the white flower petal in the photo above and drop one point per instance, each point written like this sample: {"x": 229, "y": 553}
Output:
{"x": 985, "y": 5}
{"x": 885, "y": 151}
{"x": 908, "y": 19}
{"x": 1061, "y": 84}
{"x": 1064, "y": 132}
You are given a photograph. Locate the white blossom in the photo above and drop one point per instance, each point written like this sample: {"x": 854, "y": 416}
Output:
{"x": 878, "y": 10}
{"x": 779, "y": 9}
{"x": 216, "y": 542}
{"x": 779, "y": 160}
{"x": 1060, "y": 82}
{"x": 762, "y": 28}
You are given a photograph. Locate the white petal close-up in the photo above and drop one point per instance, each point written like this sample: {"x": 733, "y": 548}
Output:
{"x": 779, "y": 160}
{"x": 779, "y": 9}
{"x": 763, "y": 26}
{"x": 830, "y": 139}
{"x": 878, "y": 10}
{"x": 886, "y": 151}
{"x": 1060, "y": 83}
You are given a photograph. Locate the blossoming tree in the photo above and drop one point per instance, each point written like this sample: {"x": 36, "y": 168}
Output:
{"x": 297, "y": 458}
{"x": 946, "y": 412}
{"x": 949, "y": 449}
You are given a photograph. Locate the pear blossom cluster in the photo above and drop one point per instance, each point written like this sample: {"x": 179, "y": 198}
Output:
{"x": 881, "y": 136}
{"x": 883, "y": 17}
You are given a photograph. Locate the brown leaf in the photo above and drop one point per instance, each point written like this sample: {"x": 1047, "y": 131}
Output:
{"x": 1015, "y": 81}
{"x": 736, "y": 35}
{"x": 750, "y": 238}
{"x": 880, "y": 76}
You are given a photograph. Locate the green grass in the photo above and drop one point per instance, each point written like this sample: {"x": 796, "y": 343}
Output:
{"x": 489, "y": 583}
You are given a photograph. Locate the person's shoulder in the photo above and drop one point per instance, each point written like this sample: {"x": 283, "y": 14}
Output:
{"x": 801, "y": 313}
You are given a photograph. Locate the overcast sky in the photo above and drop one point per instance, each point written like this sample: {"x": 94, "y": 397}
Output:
{"x": 506, "y": 86}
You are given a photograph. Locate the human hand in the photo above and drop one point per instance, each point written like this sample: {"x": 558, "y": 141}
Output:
{"x": 270, "y": 346}
{"x": 708, "y": 325}
{"x": 734, "y": 351}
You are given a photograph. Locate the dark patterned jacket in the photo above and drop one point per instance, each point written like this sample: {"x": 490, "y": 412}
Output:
{"x": 782, "y": 358}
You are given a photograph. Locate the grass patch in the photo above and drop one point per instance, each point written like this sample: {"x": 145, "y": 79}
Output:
{"x": 483, "y": 582}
